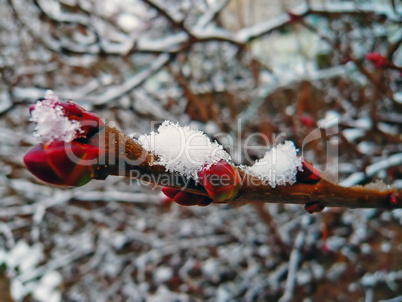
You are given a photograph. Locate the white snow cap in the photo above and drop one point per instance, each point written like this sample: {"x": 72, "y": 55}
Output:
{"x": 279, "y": 165}
{"x": 51, "y": 122}
{"x": 183, "y": 149}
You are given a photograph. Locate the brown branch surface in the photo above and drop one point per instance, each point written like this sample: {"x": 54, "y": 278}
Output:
{"x": 126, "y": 157}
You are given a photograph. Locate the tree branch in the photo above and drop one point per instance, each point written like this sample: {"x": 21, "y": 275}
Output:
{"x": 126, "y": 157}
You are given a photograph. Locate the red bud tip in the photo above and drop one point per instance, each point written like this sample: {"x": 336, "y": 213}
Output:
{"x": 309, "y": 175}
{"x": 307, "y": 121}
{"x": 222, "y": 181}
{"x": 170, "y": 192}
{"x": 314, "y": 207}
{"x": 378, "y": 60}
{"x": 393, "y": 200}
{"x": 185, "y": 198}
{"x": 63, "y": 163}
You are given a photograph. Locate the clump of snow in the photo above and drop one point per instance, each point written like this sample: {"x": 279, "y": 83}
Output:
{"x": 51, "y": 122}
{"x": 183, "y": 149}
{"x": 377, "y": 185}
{"x": 279, "y": 165}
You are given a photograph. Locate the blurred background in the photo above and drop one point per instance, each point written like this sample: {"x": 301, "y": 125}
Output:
{"x": 238, "y": 70}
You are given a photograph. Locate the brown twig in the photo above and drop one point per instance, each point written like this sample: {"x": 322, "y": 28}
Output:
{"x": 126, "y": 157}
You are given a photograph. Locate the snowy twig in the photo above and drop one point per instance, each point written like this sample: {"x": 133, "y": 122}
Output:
{"x": 138, "y": 162}
{"x": 66, "y": 131}
{"x": 131, "y": 83}
{"x": 186, "y": 35}
{"x": 369, "y": 281}
{"x": 210, "y": 15}
{"x": 294, "y": 261}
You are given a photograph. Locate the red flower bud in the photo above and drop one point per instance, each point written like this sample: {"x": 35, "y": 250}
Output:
{"x": 314, "y": 207}
{"x": 307, "y": 121}
{"x": 90, "y": 122}
{"x": 394, "y": 200}
{"x": 222, "y": 181}
{"x": 309, "y": 174}
{"x": 185, "y": 198}
{"x": 378, "y": 60}
{"x": 63, "y": 163}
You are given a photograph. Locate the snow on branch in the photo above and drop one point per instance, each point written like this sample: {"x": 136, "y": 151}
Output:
{"x": 191, "y": 151}
{"x": 211, "y": 14}
{"x": 353, "y": 8}
{"x": 187, "y": 162}
{"x": 279, "y": 165}
{"x": 53, "y": 10}
{"x": 185, "y": 36}
{"x": 133, "y": 82}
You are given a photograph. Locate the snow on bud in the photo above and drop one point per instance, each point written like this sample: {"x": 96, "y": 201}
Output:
{"x": 221, "y": 180}
{"x": 62, "y": 120}
{"x": 63, "y": 163}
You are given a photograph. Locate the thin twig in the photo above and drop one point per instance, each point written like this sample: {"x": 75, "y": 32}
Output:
{"x": 294, "y": 261}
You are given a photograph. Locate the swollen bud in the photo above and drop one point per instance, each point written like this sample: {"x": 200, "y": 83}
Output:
{"x": 314, "y": 207}
{"x": 63, "y": 163}
{"x": 309, "y": 175}
{"x": 185, "y": 198}
{"x": 222, "y": 181}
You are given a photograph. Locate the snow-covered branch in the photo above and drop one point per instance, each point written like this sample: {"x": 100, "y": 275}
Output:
{"x": 131, "y": 83}
{"x": 192, "y": 165}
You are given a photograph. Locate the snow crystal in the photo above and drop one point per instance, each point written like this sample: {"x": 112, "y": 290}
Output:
{"x": 51, "y": 122}
{"x": 379, "y": 186}
{"x": 279, "y": 165}
{"x": 183, "y": 149}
